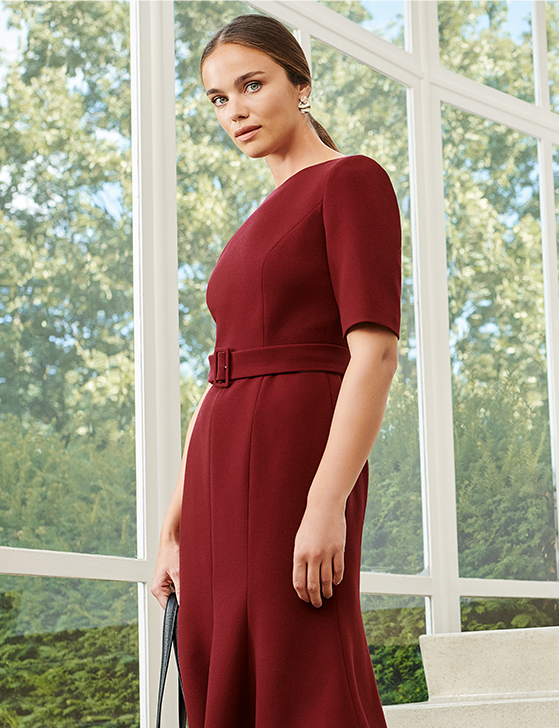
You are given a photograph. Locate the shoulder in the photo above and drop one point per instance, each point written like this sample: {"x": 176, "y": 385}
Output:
{"x": 357, "y": 180}
{"x": 356, "y": 164}
{"x": 356, "y": 173}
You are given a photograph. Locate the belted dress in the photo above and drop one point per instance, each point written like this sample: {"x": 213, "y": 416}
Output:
{"x": 321, "y": 254}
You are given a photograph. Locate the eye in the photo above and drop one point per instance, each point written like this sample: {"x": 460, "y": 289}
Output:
{"x": 251, "y": 86}
{"x": 219, "y": 100}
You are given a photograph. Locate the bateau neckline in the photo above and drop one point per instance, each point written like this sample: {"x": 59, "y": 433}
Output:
{"x": 311, "y": 166}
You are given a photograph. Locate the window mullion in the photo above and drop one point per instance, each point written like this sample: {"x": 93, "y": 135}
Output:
{"x": 434, "y": 368}
{"x": 156, "y": 306}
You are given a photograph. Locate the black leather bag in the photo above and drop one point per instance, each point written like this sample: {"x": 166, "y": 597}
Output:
{"x": 170, "y": 639}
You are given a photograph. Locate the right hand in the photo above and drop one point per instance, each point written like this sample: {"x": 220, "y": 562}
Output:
{"x": 166, "y": 576}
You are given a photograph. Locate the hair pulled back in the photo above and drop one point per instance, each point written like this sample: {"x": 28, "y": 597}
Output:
{"x": 270, "y": 36}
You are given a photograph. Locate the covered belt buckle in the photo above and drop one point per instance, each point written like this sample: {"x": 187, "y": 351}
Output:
{"x": 222, "y": 367}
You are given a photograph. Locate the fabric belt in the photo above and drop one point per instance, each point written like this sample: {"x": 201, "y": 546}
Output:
{"x": 227, "y": 364}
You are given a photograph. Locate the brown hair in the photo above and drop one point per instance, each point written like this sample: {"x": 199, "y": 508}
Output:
{"x": 270, "y": 36}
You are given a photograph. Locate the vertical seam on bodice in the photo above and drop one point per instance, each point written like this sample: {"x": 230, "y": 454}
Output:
{"x": 276, "y": 244}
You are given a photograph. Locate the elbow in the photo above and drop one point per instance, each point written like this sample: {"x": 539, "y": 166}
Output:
{"x": 390, "y": 358}
{"x": 386, "y": 362}
{"x": 375, "y": 349}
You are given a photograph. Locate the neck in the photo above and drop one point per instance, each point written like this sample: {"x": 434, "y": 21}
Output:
{"x": 306, "y": 149}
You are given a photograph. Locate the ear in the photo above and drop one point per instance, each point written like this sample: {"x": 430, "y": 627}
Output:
{"x": 304, "y": 89}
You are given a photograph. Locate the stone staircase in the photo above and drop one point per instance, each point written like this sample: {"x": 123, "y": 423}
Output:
{"x": 496, "y": 679}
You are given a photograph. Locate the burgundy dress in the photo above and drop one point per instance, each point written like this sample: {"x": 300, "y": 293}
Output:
{"x": 320, "y": 254}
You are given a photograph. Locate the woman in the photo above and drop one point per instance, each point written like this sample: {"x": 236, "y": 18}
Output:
{"x": 272, "y": 491}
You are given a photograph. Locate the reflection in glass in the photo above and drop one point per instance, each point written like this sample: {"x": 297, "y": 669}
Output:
{"x": 218, "y": 188}
{"x": 552, "y": 44}
{"x": 385, "y": 18}
{"x": 393, "y": 625}
{"x": 480, "y": 614}
{"x": 490, "y": 42}
{"x": 505, "y": 493}
{"x": 365, "y": 113}
{"x": 68, "y": 652}
{"x": 66, "y": 314}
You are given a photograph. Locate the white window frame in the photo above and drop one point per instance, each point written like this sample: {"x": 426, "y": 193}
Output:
{"x": 156, "y": 301}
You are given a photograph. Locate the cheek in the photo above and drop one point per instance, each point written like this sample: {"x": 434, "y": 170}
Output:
{"x": 280, "y": 110}
{"x": 222, "y": 118}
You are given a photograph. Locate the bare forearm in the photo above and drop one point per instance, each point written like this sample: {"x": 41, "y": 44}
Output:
{"x": 356, "y": 422}
{"x": 170, "y": 528}
{"x": 320, "y": 540}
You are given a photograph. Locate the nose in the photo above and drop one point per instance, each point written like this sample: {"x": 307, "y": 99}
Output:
{"x": 237, "y": 109}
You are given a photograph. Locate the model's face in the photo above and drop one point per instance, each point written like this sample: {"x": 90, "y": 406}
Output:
{"x": 252, "y": 94}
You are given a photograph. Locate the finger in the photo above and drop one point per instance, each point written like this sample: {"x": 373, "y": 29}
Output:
{"x": 162, "y": 590}
{"x": 174, "y": 583}
{"x": 161, "y": 595}
{"x": 326, "y": 579}
{"x": 299, "y": 578}
{"x": 338, "y": 567}
{"x": 314, "y": 582}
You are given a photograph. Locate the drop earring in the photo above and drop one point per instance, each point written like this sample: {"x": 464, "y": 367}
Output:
{"x": 304, "y": 106}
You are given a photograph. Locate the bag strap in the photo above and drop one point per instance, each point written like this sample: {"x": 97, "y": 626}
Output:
{"x": 169, "y": 639}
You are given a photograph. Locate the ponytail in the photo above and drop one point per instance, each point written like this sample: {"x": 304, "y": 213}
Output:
{"x": 321, "y": 132}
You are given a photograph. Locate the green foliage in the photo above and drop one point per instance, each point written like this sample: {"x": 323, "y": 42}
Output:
{"x": 66, "y": 497}
{"x": 392, "y": 635}
{"x": 505, "y": 498}
{"x": 68, "y": 679}
{"x": 66, "y": 282}
{"x": 475, "y": 42}
{"x": 481, "y": 614}
{"x": 392, "y": 539}
{"x": 505, "y": 501}
{"x": 67, "y": 386}
{"x": 552, "y": 37}
{"x": 399, "y": 674}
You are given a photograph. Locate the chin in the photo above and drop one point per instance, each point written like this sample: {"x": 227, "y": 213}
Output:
{"x": 254, "y": 153}
{"x": 257, "y": 154}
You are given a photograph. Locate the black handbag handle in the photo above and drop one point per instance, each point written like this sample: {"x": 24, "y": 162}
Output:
{"x": 169, "y": 639}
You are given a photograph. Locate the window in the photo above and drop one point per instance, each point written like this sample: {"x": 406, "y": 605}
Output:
{"x": 109, "y": 233}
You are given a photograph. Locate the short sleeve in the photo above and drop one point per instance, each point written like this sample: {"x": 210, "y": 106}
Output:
{"x": 363, "y": 238}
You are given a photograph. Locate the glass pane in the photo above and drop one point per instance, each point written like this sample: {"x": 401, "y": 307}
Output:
{"x": 490, "y": 42}
{"x": 385, "y": 18}
{"x": 218, "y": 187}
{"x": 393, "y": 625}
{"x": 365, "y": 113}
{"x": 505, "y": 493}
{"x": 68, "y": 653}
{"x": 481, "y": 614}
{"x": 66, "y": 327}
{"x": 552, "y": 43}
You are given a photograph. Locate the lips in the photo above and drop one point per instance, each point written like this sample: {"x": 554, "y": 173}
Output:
{"x": 246, "y": 132}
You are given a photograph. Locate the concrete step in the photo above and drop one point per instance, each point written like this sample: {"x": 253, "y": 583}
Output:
{"x": 497, "y": 662}
{"x": 510, "y": 713}
{"x": 492, "y": 679}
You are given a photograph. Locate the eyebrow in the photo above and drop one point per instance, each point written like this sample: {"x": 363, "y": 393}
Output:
{"x": 237, "y": 81}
